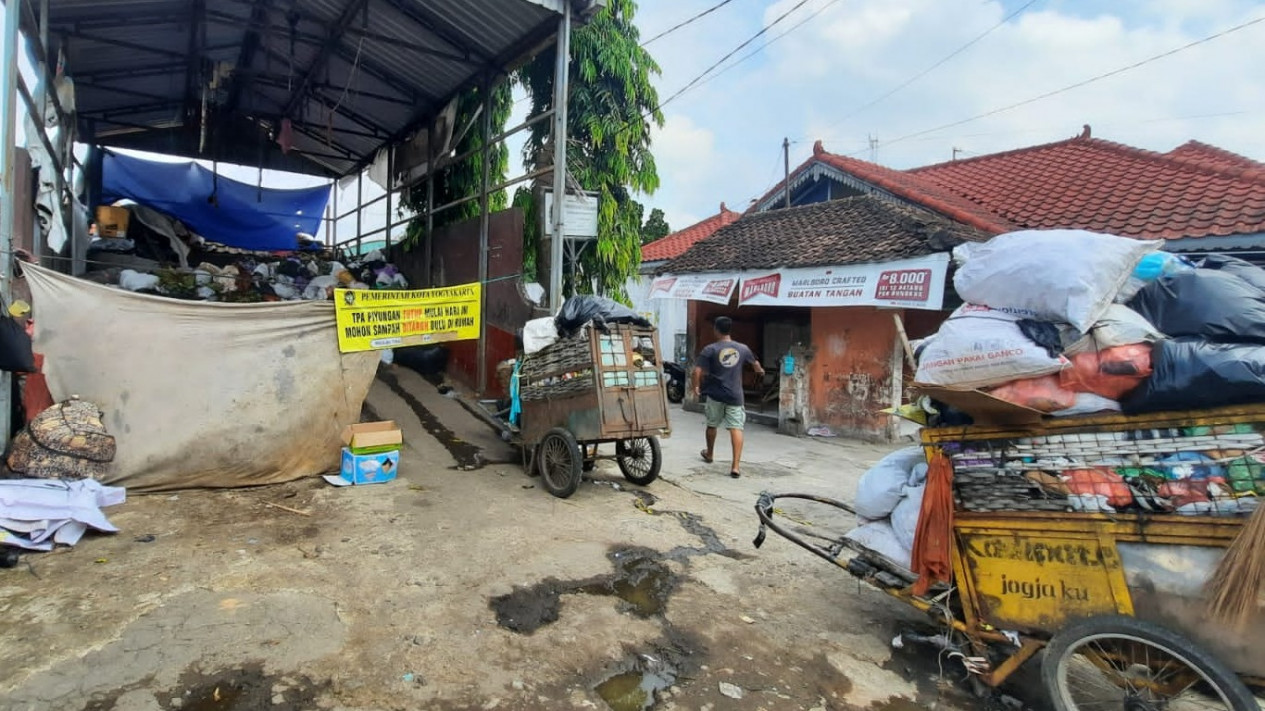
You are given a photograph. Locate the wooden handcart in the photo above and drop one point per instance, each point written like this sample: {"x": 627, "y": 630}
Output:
{"x": 598, "y": 387}
{"x": 1113, "y": 600}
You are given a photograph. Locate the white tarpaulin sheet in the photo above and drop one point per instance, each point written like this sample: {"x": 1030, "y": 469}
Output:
{"x": 201, "y": 394}
{"x": 716, "y": 288}
{"x": 916, "y": 283}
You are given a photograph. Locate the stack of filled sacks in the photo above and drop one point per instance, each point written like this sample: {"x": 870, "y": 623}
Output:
{"x": 888, "y": 501}
{"x": 1073, "y": 322}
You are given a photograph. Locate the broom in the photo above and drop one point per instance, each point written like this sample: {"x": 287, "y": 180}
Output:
{"x": 1235, "y": 586}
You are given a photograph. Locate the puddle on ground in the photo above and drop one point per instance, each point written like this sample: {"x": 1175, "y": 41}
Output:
{"x": 641, "y": 581}
{"x": 635, "y": 690}
{"x": 467, "y": 455}
{"x": 244, "y": 689}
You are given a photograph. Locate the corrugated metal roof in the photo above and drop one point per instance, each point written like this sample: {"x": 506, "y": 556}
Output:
{"x": 352, "y": 75}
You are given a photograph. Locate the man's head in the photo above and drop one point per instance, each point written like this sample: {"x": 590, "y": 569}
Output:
{"x": 723, "y": 325}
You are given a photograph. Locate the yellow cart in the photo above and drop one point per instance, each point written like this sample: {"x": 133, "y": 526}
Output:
{"x": 1114, "y": 599}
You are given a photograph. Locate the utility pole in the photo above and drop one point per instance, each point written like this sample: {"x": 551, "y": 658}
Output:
{"x": 786, "y": 170}
{"x": 560, "y": 80}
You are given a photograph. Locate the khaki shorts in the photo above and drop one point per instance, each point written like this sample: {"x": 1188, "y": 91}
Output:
{"x": 731, "y": 417}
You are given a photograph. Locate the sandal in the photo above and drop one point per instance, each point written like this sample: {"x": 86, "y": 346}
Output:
{"x": 735, "y": 475}
{"x": 706, "y": 458}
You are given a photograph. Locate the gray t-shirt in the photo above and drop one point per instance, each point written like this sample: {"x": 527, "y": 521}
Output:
{"x": 722, "y": 364}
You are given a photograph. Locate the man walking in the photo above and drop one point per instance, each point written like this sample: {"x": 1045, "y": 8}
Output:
{"x": 718, "y": 377}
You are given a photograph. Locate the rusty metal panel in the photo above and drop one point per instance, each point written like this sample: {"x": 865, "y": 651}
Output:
{"x": 1037, "y": 581}
{"x": 579, "y": 414}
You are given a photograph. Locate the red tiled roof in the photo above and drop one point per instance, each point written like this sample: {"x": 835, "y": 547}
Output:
{"x": 847, "y": 231}
{"x": 675, "y": 244}
{"x": 1213, "y": 157}
{"x": 1196, "y": 190}
{"x": 1092, "y": 184}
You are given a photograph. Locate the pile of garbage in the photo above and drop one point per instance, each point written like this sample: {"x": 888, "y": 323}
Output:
{"x": 254, "y": 278}
{"x": 888, "y": 502}
{"x": 1070, "y": 322}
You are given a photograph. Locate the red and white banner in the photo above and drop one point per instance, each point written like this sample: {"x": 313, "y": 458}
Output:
{"x": 916, "y": 283}
{"x": 716, "y": 288}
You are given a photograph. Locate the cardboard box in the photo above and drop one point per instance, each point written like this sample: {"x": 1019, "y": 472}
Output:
{"x": 369, "y": 468}
{"x": 112, "y": 221}
{"x": 373, "y": 437}
{"x": 982, "y": 407}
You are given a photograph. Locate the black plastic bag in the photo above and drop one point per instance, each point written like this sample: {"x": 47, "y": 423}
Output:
{"x": 425, "y": 360}
{"x": 1246, "y": 271}
{"x": 1191, "y": 373}
{"x": 1213, "y": 304}
{"x": 579, "y": 310}
{"x": 16, "y": 355}
{"x": 1043, "y": 334}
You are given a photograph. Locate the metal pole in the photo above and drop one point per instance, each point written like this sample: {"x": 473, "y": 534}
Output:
{"x": 386, "y": 250}
{"x": 786, "y": 170}
{"x": 560, "y": 82}
{"x": 360, "y": 198}
{"x": 334, "y": 221}
{"x": 483, "y": 237}
{"x": 48, "y": 73}
{"x": 429, "y": 254}
{"x": 8, "y": 216}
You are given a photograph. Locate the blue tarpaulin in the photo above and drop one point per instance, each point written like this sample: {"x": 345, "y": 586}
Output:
{"x": 221, "y": 210}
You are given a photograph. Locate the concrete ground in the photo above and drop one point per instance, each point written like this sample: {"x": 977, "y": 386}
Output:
{"x": 464, "y": 585}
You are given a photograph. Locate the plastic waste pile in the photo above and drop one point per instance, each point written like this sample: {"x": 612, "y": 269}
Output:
{"x": 1069, "y": 322}
{"x": 302, "y": 276}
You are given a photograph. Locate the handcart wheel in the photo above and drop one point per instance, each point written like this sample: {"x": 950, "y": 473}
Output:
{"x": 639, "y": 459}
{"x": 560, "y": 461}
{"x": 1125, "y": 663}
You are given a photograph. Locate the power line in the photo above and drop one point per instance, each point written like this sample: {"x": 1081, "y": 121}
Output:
{"x": 1079, "y": 84}
{"x": 725, "y": 58}
{"x": 941, "y": 62}
{"x": 679, "y": 25}
{"x": 761, "y": 48}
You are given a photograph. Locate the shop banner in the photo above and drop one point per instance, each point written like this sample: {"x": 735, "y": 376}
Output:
{"x": 375, "y": 320}
{"x": 916, "y": 283}
{"x": 716, "y": 288}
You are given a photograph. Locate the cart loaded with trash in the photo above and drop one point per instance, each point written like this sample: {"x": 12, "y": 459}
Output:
{"x": 589, "y": 377}
{"x": 1118, "y": 534}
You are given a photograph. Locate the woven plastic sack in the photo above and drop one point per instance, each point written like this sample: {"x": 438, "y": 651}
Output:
{"x": 1070, "y": 276}
{"x": 879, "y": 537}
{"x": 66, "y": 441}
{"x": 1119, "y": 326}
{"x": 979, "y": 347}
{"x": 1043, "y": 394}
{"x": 882, "y": 486}
{"x": 905, "y": 515}
{"x": 1112, "y": 373}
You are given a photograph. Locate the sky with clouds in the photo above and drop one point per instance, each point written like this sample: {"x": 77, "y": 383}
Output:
{"x": 722, "y": 140}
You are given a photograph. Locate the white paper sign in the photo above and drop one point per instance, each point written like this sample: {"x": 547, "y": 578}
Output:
{"x": 716, "y": 288}
{"x": 916, "y": 283}
{"x": 579, "y": 215}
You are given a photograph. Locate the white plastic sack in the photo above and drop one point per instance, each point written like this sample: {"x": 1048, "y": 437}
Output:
{"x": 1119, "y": 326}
{"x": 905, "y": 515}
{"x": 538, "y": 334}
{"x": 135, "y": 281}
{"x": 201, "y": 394}
{"x": 879, "y": 537}
{"x": 979, "y": 347}
{"x": 882, "y": 487}
{"x": 1068, "y": 276}
{"x": 1088, "y": 404}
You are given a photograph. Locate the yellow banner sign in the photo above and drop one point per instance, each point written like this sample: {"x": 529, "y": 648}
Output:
{"x": 375, "y": 320}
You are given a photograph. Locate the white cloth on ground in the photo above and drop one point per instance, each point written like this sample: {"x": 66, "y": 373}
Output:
{"x": 36, "y": 513}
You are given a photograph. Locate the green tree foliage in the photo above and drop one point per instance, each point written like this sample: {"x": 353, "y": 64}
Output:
{"x": 655, "y": 227}
{"x": 611, "y": 109}
{"x": 465, "y": 177}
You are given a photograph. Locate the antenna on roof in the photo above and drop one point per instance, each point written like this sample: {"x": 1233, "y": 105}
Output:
{"x": 956, "y": 151}
{"x": 873, "y": 148}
